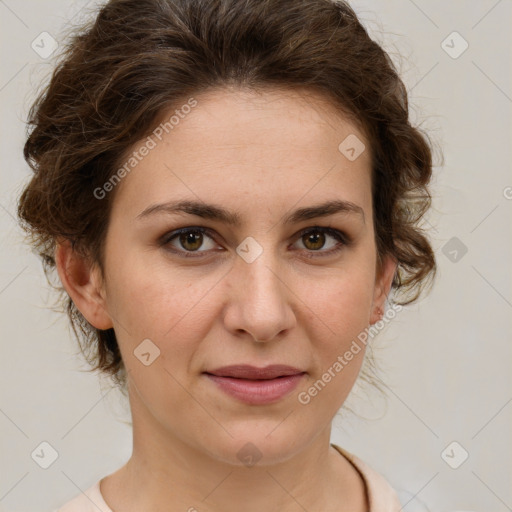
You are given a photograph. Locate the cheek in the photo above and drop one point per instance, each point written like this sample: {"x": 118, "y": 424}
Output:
{"x": 174, "y": 312}
{"x": 340, "y": 313}
{"x": 343, "y": 303}
{"x": 163, "y": 304}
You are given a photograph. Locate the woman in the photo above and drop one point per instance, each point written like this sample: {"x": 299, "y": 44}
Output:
{"x": 229, "y": 191}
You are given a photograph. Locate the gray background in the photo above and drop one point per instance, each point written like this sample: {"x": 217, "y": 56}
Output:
{"x": 446, "y": 361}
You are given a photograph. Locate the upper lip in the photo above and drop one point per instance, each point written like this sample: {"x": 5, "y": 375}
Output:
{"x": 246, "y": 371}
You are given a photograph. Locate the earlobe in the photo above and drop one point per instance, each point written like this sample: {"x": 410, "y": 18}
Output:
{"x": 383, "y": 283}
{"x": 83, "y": 283}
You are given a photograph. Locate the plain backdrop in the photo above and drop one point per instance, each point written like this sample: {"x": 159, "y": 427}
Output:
{"x": 446, "y": 361}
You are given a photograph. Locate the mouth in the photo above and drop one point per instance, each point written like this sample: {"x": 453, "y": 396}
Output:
{"x": 256, "y": 386}
{"x": 246, "y": 371}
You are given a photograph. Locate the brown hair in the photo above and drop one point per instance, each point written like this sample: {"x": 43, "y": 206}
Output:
{"x": 139, "y": 58}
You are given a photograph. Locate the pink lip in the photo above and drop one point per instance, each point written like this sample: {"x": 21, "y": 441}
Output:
{"x": 256, "y": 385}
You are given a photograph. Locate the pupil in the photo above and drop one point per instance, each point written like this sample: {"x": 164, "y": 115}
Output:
{"x": 316, "y": 240}
{"x": 191, "y": 238}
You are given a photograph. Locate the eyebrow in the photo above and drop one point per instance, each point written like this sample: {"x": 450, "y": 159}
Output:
{"x": 216, "y": 212}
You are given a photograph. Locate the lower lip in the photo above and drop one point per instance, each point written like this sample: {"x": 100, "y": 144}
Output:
{"x": 257, "y": 392}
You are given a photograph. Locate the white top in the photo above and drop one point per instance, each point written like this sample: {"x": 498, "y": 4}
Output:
{"x": 380, "y": 495}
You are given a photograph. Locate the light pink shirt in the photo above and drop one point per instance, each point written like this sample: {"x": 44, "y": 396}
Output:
{"x": 380, "y": 495}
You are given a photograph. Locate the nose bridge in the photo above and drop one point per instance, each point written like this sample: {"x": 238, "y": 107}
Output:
{"x": 263, "y": 286}
{"x": 261, "y": 300}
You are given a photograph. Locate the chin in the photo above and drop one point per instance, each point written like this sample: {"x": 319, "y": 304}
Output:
{"x": 254, "y": 446}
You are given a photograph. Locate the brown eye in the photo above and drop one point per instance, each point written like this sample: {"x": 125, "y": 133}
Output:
{"x": 191, "y": 241}
{"x": 314, "y": 240}
{"x": 194, "y": 241}
{"x": 317, "y": 238}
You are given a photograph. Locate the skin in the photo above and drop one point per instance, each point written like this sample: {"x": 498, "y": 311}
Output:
{"x": 262, "y": 154}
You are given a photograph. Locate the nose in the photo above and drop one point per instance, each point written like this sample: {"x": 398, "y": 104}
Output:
{"x": 260, "y": 302}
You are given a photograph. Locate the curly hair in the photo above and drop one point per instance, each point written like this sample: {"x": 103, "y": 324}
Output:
{"x": 137, "y": 58}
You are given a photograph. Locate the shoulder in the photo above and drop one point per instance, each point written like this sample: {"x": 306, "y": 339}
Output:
{"x": 90, "y": 500}
{"x": 381, "y": 496}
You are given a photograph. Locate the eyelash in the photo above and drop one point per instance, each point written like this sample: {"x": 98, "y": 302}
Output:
{"x": 341, "y": 237}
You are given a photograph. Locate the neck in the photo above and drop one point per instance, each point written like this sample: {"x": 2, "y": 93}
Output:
{"x": 164, "y": 469}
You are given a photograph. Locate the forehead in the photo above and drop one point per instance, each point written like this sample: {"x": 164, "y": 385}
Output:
{"x": 266, "y": 145}
{"x": 305, "y": 119}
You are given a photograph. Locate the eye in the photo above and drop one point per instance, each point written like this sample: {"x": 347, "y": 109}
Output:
{"x": 315, "y": 239}
{"x": 189, "y": 240}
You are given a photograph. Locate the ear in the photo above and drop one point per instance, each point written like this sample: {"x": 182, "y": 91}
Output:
{"x": 83, "y": 282}
{"x": 383, "y": 281}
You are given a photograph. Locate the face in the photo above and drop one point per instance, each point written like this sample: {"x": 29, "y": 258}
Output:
{"x": 258, "y": 278}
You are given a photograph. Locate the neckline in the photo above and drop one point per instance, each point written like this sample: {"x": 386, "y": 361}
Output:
{"x": 99, "y": 497}
{"x": 354, "y": 462}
